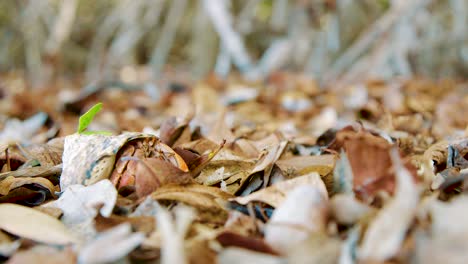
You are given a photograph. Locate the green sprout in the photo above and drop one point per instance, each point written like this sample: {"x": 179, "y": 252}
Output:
{"x": 87, "y": 118}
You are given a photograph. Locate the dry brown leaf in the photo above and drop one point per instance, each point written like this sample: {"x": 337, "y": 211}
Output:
{"x": 32, "y": 224}
{"x": 435, "y": 156}
{"x": 143, "y": 224}
{"x": 200, "y": 252}
{"x": 11, "y": 183}
{"x": 202, "y": 161}
{"x": 209, "y": 201}
{"x": 44, "y": 155}
{"x": 51, "y": 173}
{"x": 171, "y": 130}
{"x": 274, "y": 195}
{"x": 246, "y": 148}
{"x": 322, "y": 164}
{"x": 200, "y": 146}
{"x": 369, "y": 157}
{"x": 230, "y": 239}
{"x": 241, "y": 224}
{"x": 43, "y": 254}
{"x": 196, "y": 195}
{"x": 220, "y": 131}
{"x": 26, "y": 196}
{"x": 279, "y": 132}
{"x": 238, "y": 168}
{"x": 385, "y": 235}
{"x": 152, "y": 173}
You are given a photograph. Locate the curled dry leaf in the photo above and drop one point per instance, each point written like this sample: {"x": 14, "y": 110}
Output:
{"x": 198, "y": 164}
{"x": 171, "y": 129}
{"x": 276, "y": 194}
{"x": 232, "y": 172}
{"x": 267, "y": 160}
{"x": 11, "y": 183}
{"x": 434, "y": 156}
{"x": 29, "y": 196}
{"x": 269, "y": 155}
{"x": 302, "y": 213}
{"x": 152, "y": 173}
{"x": 200, "y": 146}
{"x": 32, "y": 224}
{"x": 369, "y": 157}
{"x": 26, "y": 190}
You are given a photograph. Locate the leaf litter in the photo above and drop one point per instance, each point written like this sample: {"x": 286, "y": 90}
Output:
{"x": 239, "y": 172}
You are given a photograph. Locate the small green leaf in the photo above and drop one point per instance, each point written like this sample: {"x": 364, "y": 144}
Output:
{"x": 88, "y": 117}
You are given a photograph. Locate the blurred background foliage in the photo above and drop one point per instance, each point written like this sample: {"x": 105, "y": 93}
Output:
{"x": 139, "y": 40}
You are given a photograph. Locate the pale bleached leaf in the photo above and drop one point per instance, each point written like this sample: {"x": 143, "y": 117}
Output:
{"x": 387, "y": 231}
{"x": 346, "y": 209}
{"x": 80, "y": 203}
{"x": 111, "y": 245}
{"x": 302, "y": 213}
{"x": 173, "y": 233}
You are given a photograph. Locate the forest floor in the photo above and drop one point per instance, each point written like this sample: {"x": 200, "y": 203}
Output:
{"x": 230, "y": 171}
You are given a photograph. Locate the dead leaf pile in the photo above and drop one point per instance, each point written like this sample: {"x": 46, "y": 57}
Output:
{"x": 278, "y": 171}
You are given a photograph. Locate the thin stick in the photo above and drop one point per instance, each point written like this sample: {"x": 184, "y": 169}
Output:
{"x": 62, "y": 26}
{"x": 160, "y": 52}
{"x": 366, "y": 40}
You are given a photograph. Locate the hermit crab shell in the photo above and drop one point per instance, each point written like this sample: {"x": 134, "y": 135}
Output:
{"x": 88, "y": 159}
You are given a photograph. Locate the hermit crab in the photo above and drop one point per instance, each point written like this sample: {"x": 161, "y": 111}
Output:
{"x": 88, "y": 159}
